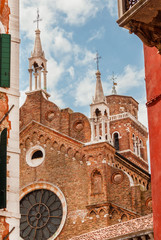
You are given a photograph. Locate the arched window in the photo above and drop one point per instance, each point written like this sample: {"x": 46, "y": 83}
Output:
{"x": 137, "y": 146}
{"x": 97, "y": 112}
{"x": 116, "y": 141}
{"x": 134, "y": 143}
{"x": 141, "y": 149}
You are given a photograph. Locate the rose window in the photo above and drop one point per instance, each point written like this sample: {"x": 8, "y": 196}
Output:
{"x": 41, "y": 215}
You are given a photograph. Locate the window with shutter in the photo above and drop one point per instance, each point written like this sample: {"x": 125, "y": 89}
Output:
{"x": 5, "y": 51}
{"x": 3, "y": 168}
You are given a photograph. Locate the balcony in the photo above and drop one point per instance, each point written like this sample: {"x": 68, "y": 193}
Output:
{"x": 143, "y": 18}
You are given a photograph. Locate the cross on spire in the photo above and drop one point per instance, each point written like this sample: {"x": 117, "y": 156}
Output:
{"x": 113, "y": 78}
{"x": 38, "y": 19}
{"x": 97, "y": 60}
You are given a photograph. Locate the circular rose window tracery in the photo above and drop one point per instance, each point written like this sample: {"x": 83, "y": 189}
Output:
{"x": 41, "y": 215}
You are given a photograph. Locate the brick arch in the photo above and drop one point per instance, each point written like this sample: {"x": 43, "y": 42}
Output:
{"x": 77, "y": 155}
{"x": 124, "y": 218}
{"x": 41, "y": 139}
{"x": 102, "y": 212}
{"x": 34, "y": 137}
{"x": 63, "y": 149}
{"x": 48, "y": 142}
{"x": 70, "y": 152}
{"x": 92, "y": 212}
{"x": 55, "y": 146}
{"x": 27, "y": 142}
{"x": 45, "y": 185}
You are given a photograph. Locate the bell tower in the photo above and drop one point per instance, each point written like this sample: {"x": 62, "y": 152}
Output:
{"x": 37, "y": 63}
{"x": 99, "y": 112}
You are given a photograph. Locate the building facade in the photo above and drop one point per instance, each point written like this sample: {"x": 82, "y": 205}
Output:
{"x": 80, "y": 174}
{"x": 143, "y": 19}
{"x": 9, "y": 119}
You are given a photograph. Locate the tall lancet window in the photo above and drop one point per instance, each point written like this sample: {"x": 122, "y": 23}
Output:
{"x": 116, "y": 140}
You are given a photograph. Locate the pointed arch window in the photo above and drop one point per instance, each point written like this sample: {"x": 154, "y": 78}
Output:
{"x": 116, "y": 141}
{"x": 137, "y": 146}
{"x": 141, "y": 149}
{"x": 134, "y": 143}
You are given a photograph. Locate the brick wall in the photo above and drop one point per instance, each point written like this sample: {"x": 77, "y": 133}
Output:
{"x": 4, "y": 228}
{"x": 97, "y": 193}
{"x": 75, "y": 125}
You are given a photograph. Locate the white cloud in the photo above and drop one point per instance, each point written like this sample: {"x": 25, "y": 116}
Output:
{"x": 55, "y": 72}
{"x": 97, "y": 34}
{"x": 129, "y": 79}
{"x": 83, "y": 56}
{"x": 23, "y": 96}
{"x": 77, "y": 11}
{"x": 57, "y": 98}
{"x": 71, "y": 71}
{"x": 112, "y": 7}
{"x": 85, "y": 89}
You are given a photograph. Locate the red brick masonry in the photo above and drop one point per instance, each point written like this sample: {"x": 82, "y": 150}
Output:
{"x": 119, "y": 230}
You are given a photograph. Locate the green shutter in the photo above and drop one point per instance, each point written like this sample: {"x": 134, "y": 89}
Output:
{"x": 3, "y": 168}
{"x": 5, "y": 52}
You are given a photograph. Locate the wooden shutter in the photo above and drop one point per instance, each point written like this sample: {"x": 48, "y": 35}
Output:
{"x": 5, "y": 52}
{"x": 3, "y": 168}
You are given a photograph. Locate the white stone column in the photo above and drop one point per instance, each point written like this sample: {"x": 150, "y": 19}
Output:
{"x": 103, "y": 129}
{"x": 30, "y": 83}
{"x": 92, "y": 131}
{"x": 39, "y": 72}
{"x": 45, "y": 80}
{"x": 97, "y": 131}
{"x": 108, "y": 130}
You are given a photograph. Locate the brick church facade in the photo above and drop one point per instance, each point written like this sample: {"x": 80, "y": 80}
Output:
{"x": 80, "y": 174}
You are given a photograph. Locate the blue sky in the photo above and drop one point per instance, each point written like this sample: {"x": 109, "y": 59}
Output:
{"x": 71, "y": 33}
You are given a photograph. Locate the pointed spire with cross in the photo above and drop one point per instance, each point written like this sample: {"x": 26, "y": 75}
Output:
{"x": 38, "y": 19}
{"x": 97, "y": 60}
{"x": 113, "y": 78}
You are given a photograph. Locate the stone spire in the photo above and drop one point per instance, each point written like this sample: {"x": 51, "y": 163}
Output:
{"x": 38, "y": 52}
{"x": 99, "y": 95}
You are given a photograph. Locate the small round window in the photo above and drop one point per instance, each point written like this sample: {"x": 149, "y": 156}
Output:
{"x": 35, "y": 156}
